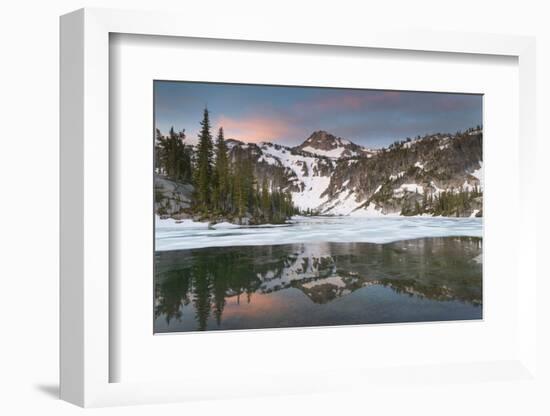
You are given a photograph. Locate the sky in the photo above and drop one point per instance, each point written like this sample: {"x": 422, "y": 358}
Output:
{"x": 288, "y": 115}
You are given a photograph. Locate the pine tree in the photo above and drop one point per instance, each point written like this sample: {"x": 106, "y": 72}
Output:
{"x": 203, "y": 178}
{"x": 425, "y": 201}
{"x": 266, "y": 203}
{"x": 238, "y": 191}
{"x": 158, "y": 151}
{"x": 172, "y": 156}
{"x": 221, "y": 173}
{"x": 246, "y": 178}
{"x": 185, "y": 159}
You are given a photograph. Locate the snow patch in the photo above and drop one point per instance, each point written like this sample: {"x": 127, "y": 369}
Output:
{"x": 478, "y": 174}
{"x": 411, "y": 187}
{"x": 333, "y": 153}
{"x": 343, "y": 204}
{"x": 399, "y": 175}
{"x": 314, "y": 185}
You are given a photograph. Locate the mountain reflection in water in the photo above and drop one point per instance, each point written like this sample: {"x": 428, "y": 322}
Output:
{"x": 289, "y": 285}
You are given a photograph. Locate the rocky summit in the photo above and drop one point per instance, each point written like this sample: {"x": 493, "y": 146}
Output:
{"x": 321, "y": 143}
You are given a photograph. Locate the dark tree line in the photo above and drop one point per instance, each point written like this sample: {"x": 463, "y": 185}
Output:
{"x": 225, "y": 185}
{"x": 446, "y": 203}
{"x": 450, "y": 203}
{"x": 173, "y": 158}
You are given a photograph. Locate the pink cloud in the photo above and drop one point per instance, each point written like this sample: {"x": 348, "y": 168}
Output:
{"x": 353, "y": 100}
{"x": 252, "y": 129}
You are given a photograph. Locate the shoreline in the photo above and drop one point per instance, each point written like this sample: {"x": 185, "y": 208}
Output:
{"x": 191, "y": 223}
{"x": 322, "y": 244}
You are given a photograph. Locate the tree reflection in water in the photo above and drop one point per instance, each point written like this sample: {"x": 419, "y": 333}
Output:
{"x": 442, "y": 269}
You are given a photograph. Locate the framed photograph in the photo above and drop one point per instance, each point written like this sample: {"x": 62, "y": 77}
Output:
{"x": 283, "y": 193}
{"x": 265, "y": 220}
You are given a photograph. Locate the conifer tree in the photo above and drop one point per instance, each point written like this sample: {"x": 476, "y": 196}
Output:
{"x": 265, "y": 203}
{"x": 203, "y": 178}
{"x": 172, "y": 156}
{"x": 157, "y": 150}
{"x": 238, "y": 193}
{"x": 221, "y": 173}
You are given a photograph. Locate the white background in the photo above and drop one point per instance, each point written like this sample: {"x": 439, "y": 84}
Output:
{"x": 29, "y": 225}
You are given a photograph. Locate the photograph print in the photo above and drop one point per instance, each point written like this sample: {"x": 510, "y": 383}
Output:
{"x": 291, "y": 206}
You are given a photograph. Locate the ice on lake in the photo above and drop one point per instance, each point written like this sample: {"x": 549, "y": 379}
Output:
{"x": 171, "y": 235}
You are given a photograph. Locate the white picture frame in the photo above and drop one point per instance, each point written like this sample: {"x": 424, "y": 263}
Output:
{"x": 85, "y": 352}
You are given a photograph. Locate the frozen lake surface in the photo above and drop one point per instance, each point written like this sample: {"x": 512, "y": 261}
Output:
{"x": 170, "y": 235}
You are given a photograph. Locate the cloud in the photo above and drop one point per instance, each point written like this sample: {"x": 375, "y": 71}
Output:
{"x": 253, "y": 129}
{"x": 356, "y": 100}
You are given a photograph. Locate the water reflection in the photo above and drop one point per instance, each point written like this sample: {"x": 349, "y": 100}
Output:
{"x": 318, "y": 284}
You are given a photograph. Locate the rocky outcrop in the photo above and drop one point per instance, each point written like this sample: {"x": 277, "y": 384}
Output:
{"x": 324, "y": 144}
{"x": 172, "y": 198}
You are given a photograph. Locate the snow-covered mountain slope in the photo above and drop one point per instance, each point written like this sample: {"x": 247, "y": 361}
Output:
{"x": 409, "y": 175}
{"x": 308, "y": 176}
{"x": 333, "y": 176}
{"x": 438, "y": 174}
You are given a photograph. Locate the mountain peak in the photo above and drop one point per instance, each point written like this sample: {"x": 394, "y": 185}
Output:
{"x": 323, "y": 143}
{"x": 323, "y": 140}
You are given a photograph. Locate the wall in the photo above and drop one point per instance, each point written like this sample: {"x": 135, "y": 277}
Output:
{"x": 29, "y": 208}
